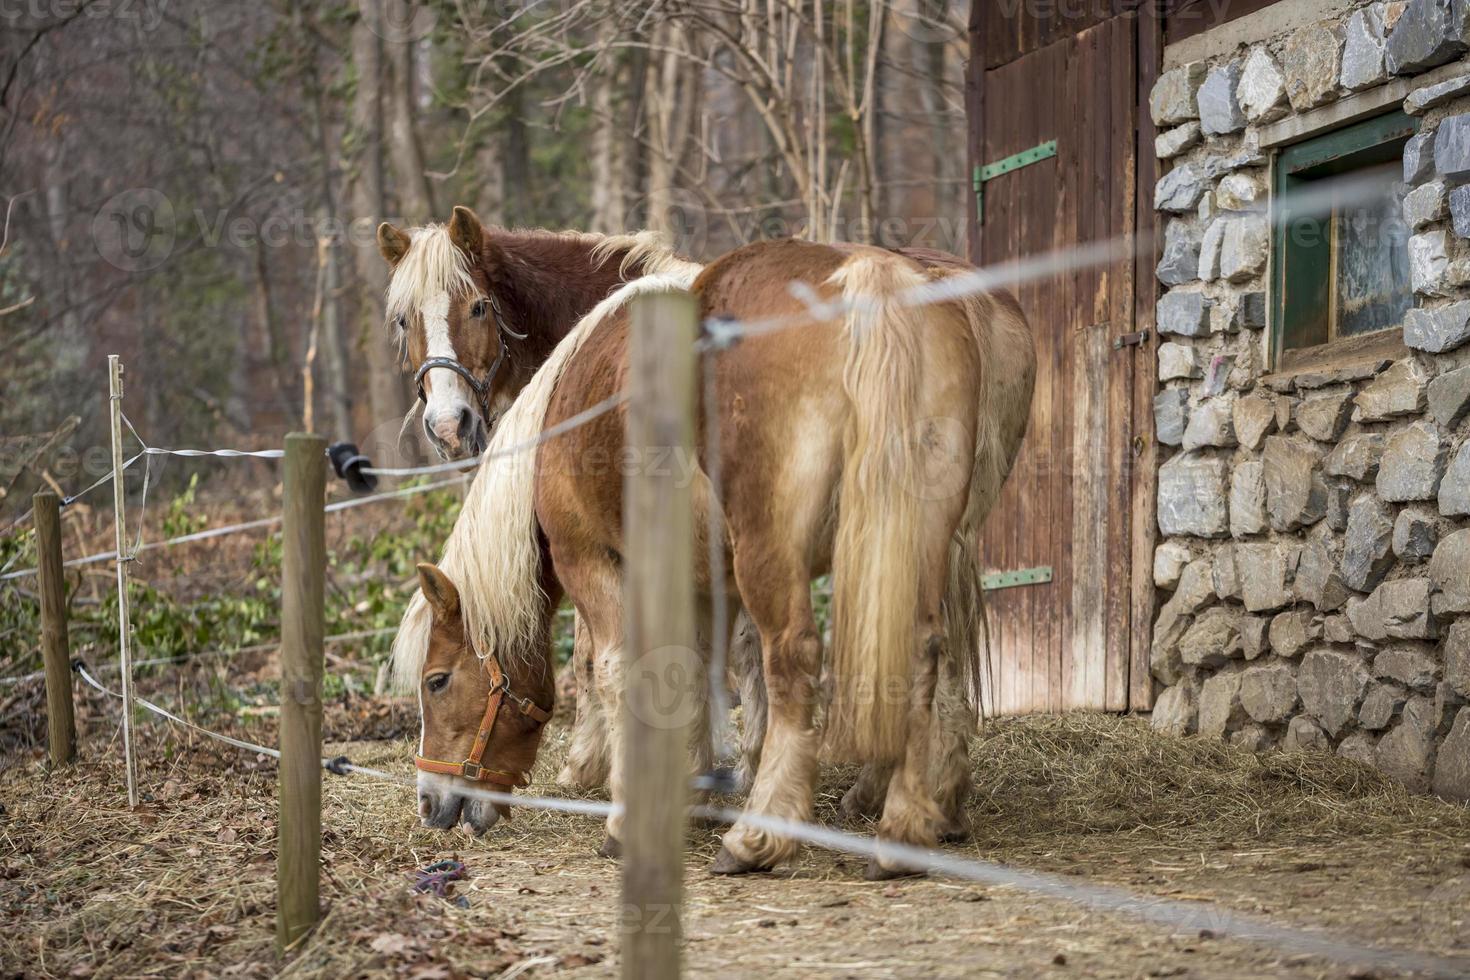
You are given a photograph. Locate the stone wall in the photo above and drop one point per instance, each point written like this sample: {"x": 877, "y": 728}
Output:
{"x": 1314, "y": 556}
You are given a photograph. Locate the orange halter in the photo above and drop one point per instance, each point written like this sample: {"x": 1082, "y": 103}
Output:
{"x": 470, "y": 768}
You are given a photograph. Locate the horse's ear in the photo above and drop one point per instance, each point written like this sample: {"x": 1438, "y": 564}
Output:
{"x": 392, "y": 243}
{"x": 466, "y": 232}
{"x": 442, "y": 595}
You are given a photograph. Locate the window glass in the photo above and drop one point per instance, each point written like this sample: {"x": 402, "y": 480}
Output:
{"x": 1371, "y": 265}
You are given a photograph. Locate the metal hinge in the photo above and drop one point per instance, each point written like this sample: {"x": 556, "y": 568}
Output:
{"x": 1021, "y": 576}
{"x": 1015, "y": 161}
{"x": 1130, "y": 339}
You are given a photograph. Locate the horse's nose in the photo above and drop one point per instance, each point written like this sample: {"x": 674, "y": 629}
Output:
{"x": 438, "y": 812}
{"x": 448, "y": 427}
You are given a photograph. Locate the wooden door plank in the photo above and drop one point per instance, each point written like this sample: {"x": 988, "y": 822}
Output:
{"x": 1143, "y": 485}
{"x": 1080, "y": 148}
{"x": 1026, "y": 107}
{"x": 975, "y": 115}
{"x": 999, "y": 241}
{"x": 1043, "y": 97}
{"x": 1085, "y": 369}
{"x": 1089, "y": 521}
{"x": 1117, "y": 628}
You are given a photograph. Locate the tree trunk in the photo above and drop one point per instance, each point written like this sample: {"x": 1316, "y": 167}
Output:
{"x": 489, "y": 183}
{"x": 672, "y": 100}
{"x": 609, "y": 140}
{"x": 334, "y": 351}
{"x": 515, "y": 165}
{"x": 327, "y": 319}
{"x": 386, "y": 392}
{"x": 415, "y": 197}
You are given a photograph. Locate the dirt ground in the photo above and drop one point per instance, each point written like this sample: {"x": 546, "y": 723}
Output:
{"x": 185, "y": 886}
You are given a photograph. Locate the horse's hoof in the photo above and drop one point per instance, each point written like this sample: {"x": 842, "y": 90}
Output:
{"x": 611, "y": 847}
{"x": 876, "y": 872}
{"x": 726, "y": 863}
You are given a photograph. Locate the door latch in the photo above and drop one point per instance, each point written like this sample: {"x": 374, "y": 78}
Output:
{"x": 1130, "y": 339}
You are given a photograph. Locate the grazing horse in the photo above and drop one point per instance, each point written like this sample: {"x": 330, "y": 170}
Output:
{"x": 477, "y": 310}
{"x": 870, "y": 442}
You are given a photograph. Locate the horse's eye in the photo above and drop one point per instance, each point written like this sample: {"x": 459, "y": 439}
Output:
{"x": 437, "y": 683}
{"x": 402, "y": 323}
{"x": 478, "y": 310}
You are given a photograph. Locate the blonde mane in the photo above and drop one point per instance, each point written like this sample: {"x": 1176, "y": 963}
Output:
{"x": 432, "y": 266}
{"x": 648, "y": 247}
{"x": 492, "y": 555}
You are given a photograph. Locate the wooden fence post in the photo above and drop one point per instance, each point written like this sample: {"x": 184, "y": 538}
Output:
{"x": 658, "y": 610}
{"x": 303, "y": 579}
{"x": 61, "y": 732}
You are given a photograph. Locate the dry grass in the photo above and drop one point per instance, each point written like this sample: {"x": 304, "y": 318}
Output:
{"x": 1085, "y": 774}
{"x": 185, "y": 886}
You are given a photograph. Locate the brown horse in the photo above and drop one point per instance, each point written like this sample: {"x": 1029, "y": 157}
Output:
{"x": 477, "y": 310}
{"x": 871, "y": 443}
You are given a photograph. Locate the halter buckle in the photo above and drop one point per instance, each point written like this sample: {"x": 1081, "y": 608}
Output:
{"x": 470, "y": 770}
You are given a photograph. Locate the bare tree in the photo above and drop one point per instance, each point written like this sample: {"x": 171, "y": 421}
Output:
{"x": 808, "y": 69}
{"x": 415, "y": 197}
{"x": 385, "y": 384}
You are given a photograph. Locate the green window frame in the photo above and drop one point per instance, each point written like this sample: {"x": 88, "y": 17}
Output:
{"x": 1302, "y": 260}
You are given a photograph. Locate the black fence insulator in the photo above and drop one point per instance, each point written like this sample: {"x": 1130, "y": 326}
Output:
{"x": 337, "y": 766}
{"x": 348, "y": 463}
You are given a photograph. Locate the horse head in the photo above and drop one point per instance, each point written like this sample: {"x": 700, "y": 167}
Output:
{"x": 446, "y": 305}
{"x": 482, "y": 719}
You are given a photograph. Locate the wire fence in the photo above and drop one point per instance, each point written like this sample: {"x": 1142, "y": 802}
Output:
{"x": 719, "y": 334}
{"x": 1188, "y": 917}
{"x": 561, "y": 428}
{"x": 243, "y": 526}
{"x": 224, "y": 652}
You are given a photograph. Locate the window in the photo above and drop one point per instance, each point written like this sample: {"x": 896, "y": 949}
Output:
{"x": 1340, "y": 264}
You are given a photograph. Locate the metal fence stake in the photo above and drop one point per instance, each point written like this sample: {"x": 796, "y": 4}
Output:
{"x": 124, "y": 623}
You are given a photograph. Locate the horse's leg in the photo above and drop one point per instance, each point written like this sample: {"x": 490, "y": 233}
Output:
{"x": 910, "y": 812}
{"x": 701, "y": 732}
{"x": 596, "y": 587}
{"x": 587, "y": 758}
{"x": 950, "y": 766}
{"x": 950, "y": 757}
{"x": 864, "y": 798}
{"x": 774, "y": 583}
{"x": 750, "y": 674}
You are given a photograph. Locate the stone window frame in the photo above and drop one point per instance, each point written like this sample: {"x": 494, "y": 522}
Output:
{"x": 1368, "y": 140}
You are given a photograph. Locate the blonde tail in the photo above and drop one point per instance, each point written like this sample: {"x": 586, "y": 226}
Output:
{"x": 876, "y": 554}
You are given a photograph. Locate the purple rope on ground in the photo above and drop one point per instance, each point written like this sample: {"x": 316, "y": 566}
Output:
{"x": 437, "y": 878}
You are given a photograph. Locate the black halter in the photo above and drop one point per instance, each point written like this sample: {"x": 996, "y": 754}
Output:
{"x": 480, "y": 388}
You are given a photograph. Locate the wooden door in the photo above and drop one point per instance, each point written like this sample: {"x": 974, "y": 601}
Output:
{"x": 1066, "y": 644}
